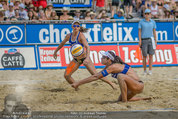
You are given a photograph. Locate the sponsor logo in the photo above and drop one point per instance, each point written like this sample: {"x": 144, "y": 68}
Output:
{"x": 47, "y": 59}
{"x": 12, "y": 58}
{"x": 14, "y": 34}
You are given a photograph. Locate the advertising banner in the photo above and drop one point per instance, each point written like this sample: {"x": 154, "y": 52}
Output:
{"x": 176, "y": 31}
{"x": 12, "y": 34}
{"x": 55, "y": 33}
{"x": 71, "y": 3}
{"x": 46, "y": 60}
{"x": 17, "y": 57}
{"x": 106, "y": 32}
{"x": 165, "y": 55}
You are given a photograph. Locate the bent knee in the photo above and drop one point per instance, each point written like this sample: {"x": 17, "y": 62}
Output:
{"x": 140, "y": 90}
{"x": 66, "y": 76}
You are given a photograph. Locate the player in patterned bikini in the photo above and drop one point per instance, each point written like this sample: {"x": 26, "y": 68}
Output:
{"x": 129, "y": 82}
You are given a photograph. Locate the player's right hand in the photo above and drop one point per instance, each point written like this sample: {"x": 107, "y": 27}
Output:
{"x": 55, "y": 55}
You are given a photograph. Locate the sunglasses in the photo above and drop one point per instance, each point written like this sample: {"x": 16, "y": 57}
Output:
{"x": 147, "y": 13}
{"x": 76, "y": 25}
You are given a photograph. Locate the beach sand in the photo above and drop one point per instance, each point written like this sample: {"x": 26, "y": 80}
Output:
{"x": 47, "y": 90}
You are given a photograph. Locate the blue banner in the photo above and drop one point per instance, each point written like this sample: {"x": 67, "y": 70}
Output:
{"x": 71, "y": 3}
{"x": 176, "y": 30}
{"x": 121, "y": 32}
{"x": 55, "y": 33}
{"x": 12, "y": 34}
{"x": 47, "y": 33}
{"x": 164, "y": 31}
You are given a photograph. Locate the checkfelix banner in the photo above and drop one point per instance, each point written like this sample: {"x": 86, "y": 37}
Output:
{"x": 12, "y": 34}
{"x": 97, "y": 33}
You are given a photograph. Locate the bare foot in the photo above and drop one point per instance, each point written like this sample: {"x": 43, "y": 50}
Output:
{"x": 75, "y": 85}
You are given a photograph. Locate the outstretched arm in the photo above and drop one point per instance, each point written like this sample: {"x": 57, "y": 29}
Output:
{"x": 93, "y": 77}
{"x": 61, "y": 45}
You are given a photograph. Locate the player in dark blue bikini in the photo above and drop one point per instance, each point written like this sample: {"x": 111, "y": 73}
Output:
{"x": 77, "y": 37}
{"x": 129, "y": 82}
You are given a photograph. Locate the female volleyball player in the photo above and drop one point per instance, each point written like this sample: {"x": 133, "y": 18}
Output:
{"x": 77, "y": 37}
{"x": 129, "y": 82}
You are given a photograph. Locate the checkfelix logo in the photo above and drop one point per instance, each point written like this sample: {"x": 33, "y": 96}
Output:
{"x": 14, "y": 34}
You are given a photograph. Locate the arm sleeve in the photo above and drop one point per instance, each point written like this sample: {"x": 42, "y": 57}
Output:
{"x": 104, "y": 73}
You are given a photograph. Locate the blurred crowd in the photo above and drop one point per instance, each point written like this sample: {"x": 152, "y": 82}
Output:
{"x": 16, "y": 10}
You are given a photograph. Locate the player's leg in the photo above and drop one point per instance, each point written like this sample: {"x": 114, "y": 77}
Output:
{"x": 71, "y": 68}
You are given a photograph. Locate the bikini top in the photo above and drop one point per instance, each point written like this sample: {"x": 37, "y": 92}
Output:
{"x": 125, "y": 70}
{"x": 76, "y": 40}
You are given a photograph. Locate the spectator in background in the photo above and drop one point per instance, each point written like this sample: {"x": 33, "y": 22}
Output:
{"x": 28, "y": 3}
{"x": 154, "y": 9}
{"x": 54, "y": 15}
{"x": 43, "y": 3}
{"x": 71, "y": 18}
{"x": 100, "y": 4}
{"x": 87, "y": 15}
{"x": 10, "y": 13}
{"x": 1, "y": 13}
{"x": 16, "y": 4}
{"x": 23, "y": 15}
{"x": 128, "y": 8}
{"x": 176, "y": 14}
{"x": 115, "y": 6}
{"x": 42, "y": 16}
{"x": 147, "y": 4}
{"x": 167, "y": 12}
{"x": 65, "y": 15}
{"x": 31, "y": 8}
{"x": 78, "y": 15}
{"x": 30, "y": 15}
{"x": 4, "y": 4}
{"x": 35, "y": 3}
{"x": 93, "y": 15}
{"x": 17, "y": 14}
{"x": 49, "y": 11}
{"x": 40, "y": 8}
{"x": 102, "y": 13}
{"x": 160, "y": 4}
{"x": 119, "y": 15}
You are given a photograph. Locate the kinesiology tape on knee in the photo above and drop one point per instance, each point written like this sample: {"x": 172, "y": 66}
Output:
{"x": 104, "y": 73}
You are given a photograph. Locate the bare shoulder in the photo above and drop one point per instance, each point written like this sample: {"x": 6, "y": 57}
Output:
{"x": 82, "y": 35}
{"x": 115, "y": 66}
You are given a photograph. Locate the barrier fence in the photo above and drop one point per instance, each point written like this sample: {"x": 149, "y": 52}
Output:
{"x": 31, "y": 46}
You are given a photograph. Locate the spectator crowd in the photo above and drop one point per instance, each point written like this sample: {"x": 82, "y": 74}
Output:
{"x": 16, "y": 10}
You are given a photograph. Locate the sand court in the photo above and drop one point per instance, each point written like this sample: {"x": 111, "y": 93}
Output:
{"x": 47, "y": 90}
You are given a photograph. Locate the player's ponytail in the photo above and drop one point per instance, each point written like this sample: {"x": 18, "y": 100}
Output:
{"x": 117, "y": 59}
{"x": 83, "y": 30}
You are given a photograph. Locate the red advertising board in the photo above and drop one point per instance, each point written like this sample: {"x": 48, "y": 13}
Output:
{"x": 45, "y": 54}
{"x": 164, "y": 54}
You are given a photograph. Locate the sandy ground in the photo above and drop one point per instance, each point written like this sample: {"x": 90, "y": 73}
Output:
{"x": 47, "y": 90}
